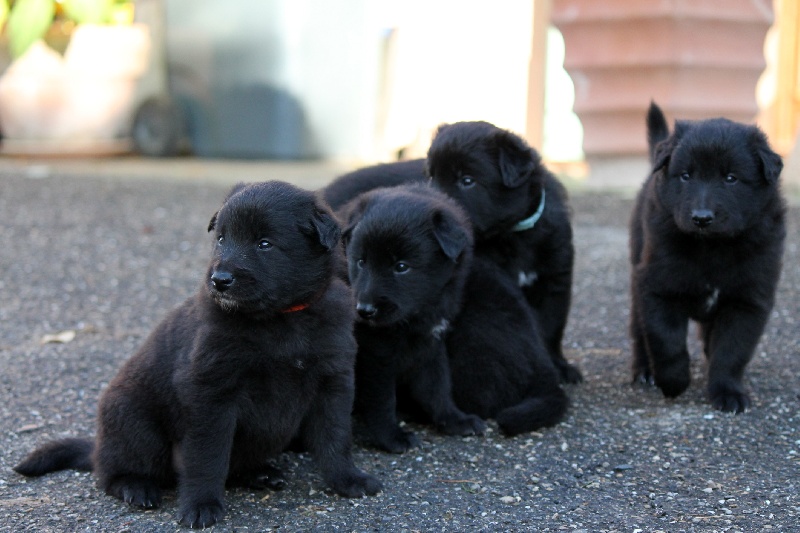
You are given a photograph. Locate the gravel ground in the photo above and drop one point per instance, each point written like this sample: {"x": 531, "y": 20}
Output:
{"x": 106, "y": 258}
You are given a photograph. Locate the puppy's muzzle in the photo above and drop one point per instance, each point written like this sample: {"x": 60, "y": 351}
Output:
{"x": 222, "y": 281}
{"x": 702, "y": 218}
{"x": 366, "y": 310}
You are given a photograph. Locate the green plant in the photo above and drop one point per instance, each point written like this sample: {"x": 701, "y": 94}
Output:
{"x": 26, "y": 21}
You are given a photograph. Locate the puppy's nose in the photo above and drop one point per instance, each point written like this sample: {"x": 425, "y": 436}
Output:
{"x": 222, "y": 280}
{"x": 365, "y": 310}
{"x": 702, "y": 217}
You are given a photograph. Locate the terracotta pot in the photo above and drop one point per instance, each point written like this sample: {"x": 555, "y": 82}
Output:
{"x": 695, "y": 58}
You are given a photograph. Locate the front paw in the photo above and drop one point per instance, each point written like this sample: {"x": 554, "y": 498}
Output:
{"x": 201, "y": 515}
{"x": 136, "y": 491}
{"x": 569, "y": 373}
{"x": 355, "y": 484}
{"x": 462, "y": 424}
{"x": 672, "y": 386}
{"x": 397, "y": 440}
{"x": 673, "y": 378}
{"x": 729, "y": 398}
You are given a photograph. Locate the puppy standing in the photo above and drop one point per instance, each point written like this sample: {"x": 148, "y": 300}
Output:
{"x": 706, "y": 244}
{"x": 262, "y": 354}
{"x": 408, "y": 251}
{"x": 520, "y": 216}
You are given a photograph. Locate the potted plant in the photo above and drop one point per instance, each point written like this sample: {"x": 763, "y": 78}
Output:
{"x": 71, "y": 77}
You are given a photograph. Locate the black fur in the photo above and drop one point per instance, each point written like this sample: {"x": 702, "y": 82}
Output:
{"x": 348, "y": 186}
{"x": 408, "y": 251}
{"x": 261, "y": 355}
{"x": 706, "y": 244}
{"x": 500, "y": 180}
{"x": 500, "y": 366}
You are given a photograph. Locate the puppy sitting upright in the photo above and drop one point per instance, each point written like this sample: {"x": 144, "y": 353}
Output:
{"x": 520, "y": 216}
{"x": 706, "y": 244}
{"x": 262, "y": 354}
{"x": 408, "y": 251}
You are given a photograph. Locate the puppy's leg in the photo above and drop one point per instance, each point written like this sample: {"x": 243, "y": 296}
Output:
{"x": 132, "y": 457}
{"x": 205, "y": 459}
{"x": 376, "y": 401}
{"x": 731, "y": 340}
{"x": 327, "y": 434}
{"x": 430, "y": 386}
{"x": 640, "y": 364}
{"x": 664, "y": 329}
{"x": 551, "y": 296}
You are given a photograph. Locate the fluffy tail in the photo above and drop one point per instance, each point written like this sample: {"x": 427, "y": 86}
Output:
{"x": 657, "y": 129}
{"x": 533, "y": 413}
{"x": 64, "y": 454}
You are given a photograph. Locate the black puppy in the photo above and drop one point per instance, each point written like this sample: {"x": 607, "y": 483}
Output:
{"x": 520, "y": 216}
{"x": 347, "y": 186}
{"x": 706, "y": 244}
{"x": 408, "y": 251}
{"x": 262, "y": 354}
{"x": 500, "y": 366}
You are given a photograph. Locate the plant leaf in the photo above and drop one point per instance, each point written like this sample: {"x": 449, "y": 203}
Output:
{"x": 28, "y": 21}
{"x": 88, "y": 11}
{"x": 3, "y": 12}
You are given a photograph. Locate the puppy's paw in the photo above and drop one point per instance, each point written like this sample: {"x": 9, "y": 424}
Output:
{"x": 267, "y": 477}
{"x": 397, "y": 441}
{"x": 568, "y": 373}
{"x": 462, "y": 424}
{"x": 201, "y": 515}
{"x": 644, "y": 378}
{"x": 136, "y": 491}
{"x": 729, "y": 398}
{"x": 355, "y": 484}
{"x": 673, "y": 386}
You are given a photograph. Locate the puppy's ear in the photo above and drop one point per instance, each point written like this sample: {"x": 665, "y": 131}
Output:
{"x": 351, "y": 214}
{"x": 657, "y": 129}
{"x": 515, "y": 158}
{"x": 662, "y": 151}
{"x": 770, "y": 162}
{"x": 451, "y": 235}
{"x": 213, "y": 222}
{"x": 327, "y": 228}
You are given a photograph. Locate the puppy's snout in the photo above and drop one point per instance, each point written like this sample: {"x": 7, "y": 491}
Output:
{"x": 366, "y": 310}
{"x": 702, "y": 217}
{"x": 221, "y": 280}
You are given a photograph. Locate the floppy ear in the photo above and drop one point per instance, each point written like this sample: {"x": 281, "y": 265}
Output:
{"x": 452, "y": 236}
{"x": 351, "y": 214}
{"x": 327, "y": 228}
{"x": 662, "y": 152}
{"x": 515, "y": 158}
{"x": 771, "y": 163}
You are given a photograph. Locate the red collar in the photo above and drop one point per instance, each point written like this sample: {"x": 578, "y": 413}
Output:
{"x": 294, "y": 308}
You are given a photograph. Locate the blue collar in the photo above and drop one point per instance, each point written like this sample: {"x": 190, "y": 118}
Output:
{"x": 531, "y": 221}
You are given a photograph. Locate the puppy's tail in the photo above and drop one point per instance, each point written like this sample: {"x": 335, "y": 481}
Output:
{"x": 657, "y": 129}
{"x": 64, "y": 454}
{"x": 533, "y": 413}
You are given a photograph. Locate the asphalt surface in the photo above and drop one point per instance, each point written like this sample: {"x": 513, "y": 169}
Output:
{"x": 105, "y": 258}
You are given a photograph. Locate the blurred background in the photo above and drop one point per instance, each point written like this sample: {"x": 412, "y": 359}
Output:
{"x": 363, "y": 81}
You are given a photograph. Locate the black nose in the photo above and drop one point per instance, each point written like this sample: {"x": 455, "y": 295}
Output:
{"x": 222, "y": 280}
{"x": 702, "y": 217}
{"x": 366, "y": 310}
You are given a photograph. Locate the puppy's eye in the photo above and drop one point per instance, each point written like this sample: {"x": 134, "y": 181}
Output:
{"x": 466, "y": 182}
{"x": 360, "y": 263}
{"x": 730, "y": 178}
{"x": 685, "y": 177}
{"x": 401, "y": 268}
{"x": 219, "y": 240}
{"x": 264, "y": 244}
